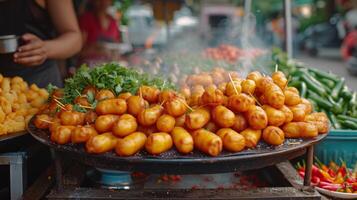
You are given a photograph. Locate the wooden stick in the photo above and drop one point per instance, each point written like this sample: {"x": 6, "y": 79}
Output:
{"x": 234, "y": 86}
{"x": 58, "y": 102}
{"x": 45, "y": 121}
{"x": 82, "y": 106}
{"x": 256, "y": 100}
{"x": 276, "y": 67}
{"x": 162, "y": 103}
{"x": 184, "y": 103}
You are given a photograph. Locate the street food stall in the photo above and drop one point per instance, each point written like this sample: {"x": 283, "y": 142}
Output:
{"x": 226, "y": 121}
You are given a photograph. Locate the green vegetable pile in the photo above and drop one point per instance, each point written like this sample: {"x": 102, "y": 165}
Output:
{"x": 110, "y": 76}
{"x": 326, "y": 91}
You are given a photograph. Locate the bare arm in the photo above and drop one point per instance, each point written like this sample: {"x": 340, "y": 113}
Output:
{"x": 69, "y": 40}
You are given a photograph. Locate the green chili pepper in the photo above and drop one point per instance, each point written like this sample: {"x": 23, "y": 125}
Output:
{"x": 327, "y": 82}
{"x": 314, "y": 87}
{"x": 337, "y": 89}
{"x": 334, "y": 121}
{"x": 345, "y": 117}
{"x": 322, "y": 103}
{"x": 303, "y": 89}
{"x": 323, "y": 74}
{"x": 346, "y": 93}
{"x": 349, "y": 124}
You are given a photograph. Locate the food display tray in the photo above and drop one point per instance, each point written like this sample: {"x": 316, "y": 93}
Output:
{"x": 172, "y": 162}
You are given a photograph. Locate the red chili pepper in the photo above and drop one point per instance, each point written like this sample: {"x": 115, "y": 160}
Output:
{"x": 342, "y": 169}
{"x": 325, "y": 176}
{"x": 302, "y": 174}
{"x": 333, "y": 187}
{"x": 315, "y": 180}
{"x": 331, "y": 173}
{"x": 324, "y": 183}
{"x": 351, "y": 180}
{"x": 354, "y": 186}
{"x": 316, "y": 171}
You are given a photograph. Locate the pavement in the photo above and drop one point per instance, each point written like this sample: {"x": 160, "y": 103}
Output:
{"x": 330, "y": 61}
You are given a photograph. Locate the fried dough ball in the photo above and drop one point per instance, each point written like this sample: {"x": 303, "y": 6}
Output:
{"x": 298, "y": 112}
{"x": 251, "y": 136}
{"x": 180, "y": 121}
{"x": 320, "y": 120}
{"x": 166, "y": 95}
{"x": 149, "y": 93}
{"x": 90, "y": 117}
{"x": 273, "y": 135}
{"x": 124, "y": 95}
{"x": 232, "y": 141}
{"x": 130, "y": 144}
{"x": 257, "y": 118}
{"x": 101, "y": 143}
{"x": 254, "y": 76}
{"x": 233, "y": 88}
{"x": 292, "y": 97}
{"x": 157, "y": 143}
{"x": 275, "y": 117}
{"x": 104, "y": 94}
{"x": 308, "y": 105}
{"x": 182, "y": 139}
{"x": 288, "y": 114}
{"x": 274, "y": 96}
{"x": 197, "y": 118}
{"x": 62, "y": 134}
{"x": 149, "y": 116}
{"x": 279, "y": 79}
{"x": 248, "y": 86}
{"x": 73, "y": 118}
{"x": 212, "y": 97}
{"x": 42, "y": 121}
{"x": 223, "y": 117}
{"x": 240, "y": 123}
{"x": 82, "y": 134}
{"x": 240, "y": 102}
{"x": 165, "y": 123}
{"x": 176, "y": 107}
{"x": 135, "y": 104}
{"x": 111, "y": 106}
{"x": 125, "y": 125}
{"x": 300, "y": 129}
{"x": 207, "y": 142}
{"x": 105, "y": 123}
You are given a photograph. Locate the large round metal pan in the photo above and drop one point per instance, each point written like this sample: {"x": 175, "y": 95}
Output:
{"x": 172, "y": 162}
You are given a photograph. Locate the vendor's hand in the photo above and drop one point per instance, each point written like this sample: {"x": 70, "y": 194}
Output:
{"x": 33, "y": 53}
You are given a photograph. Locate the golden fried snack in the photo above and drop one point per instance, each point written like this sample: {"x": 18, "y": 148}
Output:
{"x": 176, "y": 106}
{"x": 105, "y": 123}
{"x": 130, "y": 144}
{"x": 124, "y": 95}
{"x": 288, "y": 114}
{"x": 55, "y": 123}
{"x": 101, "y": 143}
{"x": 81, "y": 100}
{"x": 308, "y": 105}
{"x": 197, "y": 118}
{"x": 194, "y": 99}
{"x": 207, "y": 142}
{"x": 211, "y": 126}
{"x": 42, "y": 121}
{"x": 251, "y": 136}
{"x": 135, "y": 104}
{"x": 240, "y": 102}
{"x": 198, "y": 89}
{"x": 298, "y": 112}
{"x": 82, "y": 134}
{"x": 274, "y": 95}
{"x": 62, "y": 134}
{"x": 185, "y": 91}
{"x": 111, "y": 106}
{"x": 232, "y": 141}
{"x": 223, "y": 117}
{"x": 73, "y": 118}
{"x": 212, "y": 97}
{"x": 248, "y": 86}
{"x": 222, "y": 87}
{"x": 125, "y": 125}
{"x": 149, "y": 116}
{"x": 149, "y": 93}
{"x": 292, "y": 97}
{"x": 254, "y": 76}
{"x": 233, "y": 88}
{"x": 182, "y": 139}
{"x": 273, "y": 135}
{"x": 320, "y": 120}
{"x": 257, "y": 118}
{"x": 262, "y": 83}
{"x": 240, "y": 123}
{"x": 275, "y": 117}
{"x": 279, "y": 79}
{"x": 158, "y": 143}
{"x": 300, "y": 129}
{"x": 166, "y": 95}
{"x": 180, "y": 121}
{"x": 165, "y": 123}
{"x": 104, "y": 94}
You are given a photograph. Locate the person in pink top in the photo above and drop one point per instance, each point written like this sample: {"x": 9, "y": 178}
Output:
{"x": 97, "y": 26}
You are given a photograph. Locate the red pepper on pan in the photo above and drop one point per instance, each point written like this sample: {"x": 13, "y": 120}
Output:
{"x": 325, "y": 176}
{"x": 330, "y": 186}
{"x": 342, "y": 169}
{"x": 331, "y": 173}
{"x": 354, "y": 186}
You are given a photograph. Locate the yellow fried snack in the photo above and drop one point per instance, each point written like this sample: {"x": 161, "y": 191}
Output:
{"x": 130, "y": 144}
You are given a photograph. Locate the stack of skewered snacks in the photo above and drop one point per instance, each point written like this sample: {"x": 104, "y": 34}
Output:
{"x": 234, "y": 116}
{"x": 18, "y": 103}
